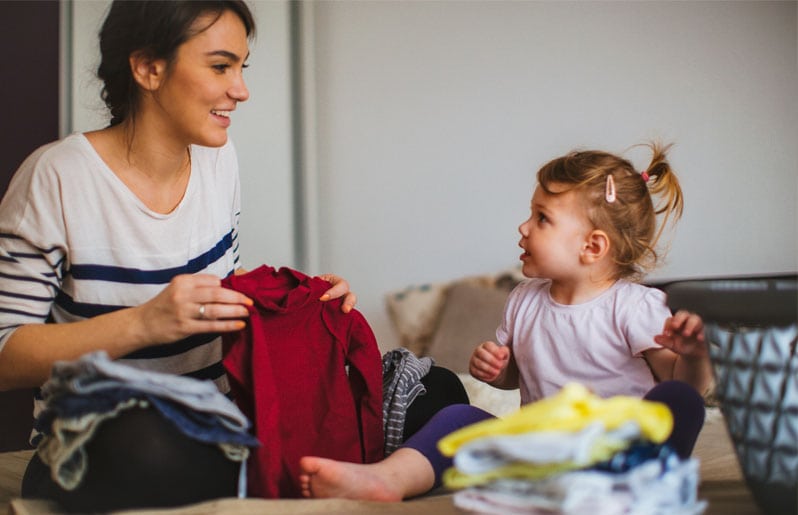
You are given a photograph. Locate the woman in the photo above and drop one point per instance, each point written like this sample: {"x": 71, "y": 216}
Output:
{"x": 121, "y": 237}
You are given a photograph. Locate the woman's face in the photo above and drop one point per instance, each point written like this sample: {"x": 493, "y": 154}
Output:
{"x": 204, "y": 83}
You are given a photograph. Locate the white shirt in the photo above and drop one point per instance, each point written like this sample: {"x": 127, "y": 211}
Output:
{"x": 599, "y": 343}
{"x": 75, "y": 242}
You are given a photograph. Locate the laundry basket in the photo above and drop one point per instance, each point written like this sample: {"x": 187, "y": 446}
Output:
{"x": 752, "y": 327}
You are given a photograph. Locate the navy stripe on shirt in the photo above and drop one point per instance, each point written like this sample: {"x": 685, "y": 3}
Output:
{"x": 23, "y": 296}
{"x": 29, "y": 279}
{"x": 29, "y": 255}
{"x": 87, "y": 309}
{"x": 24, "y": 313}
{"x": 83, "y": 309}
{"x": 137, "y": 276}
{"x": 12, "y": 258}
{"x": 9, "y": 236}
{"x": 172, "y": 349}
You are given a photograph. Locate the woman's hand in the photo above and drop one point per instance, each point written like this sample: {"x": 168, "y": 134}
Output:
{"x": 193, "y": 304}
{"x": 340, "y": 288}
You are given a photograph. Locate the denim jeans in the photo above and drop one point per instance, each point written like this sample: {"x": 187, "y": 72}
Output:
{"x": 95, "y": 371}
{"x": 82, "y": 394}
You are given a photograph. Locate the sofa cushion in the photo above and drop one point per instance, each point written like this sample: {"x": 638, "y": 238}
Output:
{"x": 414, "y": 312}
{"x": 470, "y": 315}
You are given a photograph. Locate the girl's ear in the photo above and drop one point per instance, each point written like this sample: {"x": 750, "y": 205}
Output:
{"x": 597, "y": 245}
{"x": 148, "y": 73}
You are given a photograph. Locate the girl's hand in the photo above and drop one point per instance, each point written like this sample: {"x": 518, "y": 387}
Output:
{"x": 683, "y": 333}
{"x": 488, "y": 361}
{"x": 340, "y": 288}
{"x": 192, "y": 304}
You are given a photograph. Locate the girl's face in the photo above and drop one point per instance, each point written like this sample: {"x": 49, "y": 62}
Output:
{"x": 554, "y": 235}
{"x": 204, "y": 83}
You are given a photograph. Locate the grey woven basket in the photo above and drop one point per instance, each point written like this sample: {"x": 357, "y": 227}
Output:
{"x": 753, "y": 329}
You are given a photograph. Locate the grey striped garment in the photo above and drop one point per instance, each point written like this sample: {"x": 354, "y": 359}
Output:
{"x": 401, "y": 384}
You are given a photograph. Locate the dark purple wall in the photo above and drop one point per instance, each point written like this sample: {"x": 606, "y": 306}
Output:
{"x": 29, "y": 93}
{"x": 29, "y": 85}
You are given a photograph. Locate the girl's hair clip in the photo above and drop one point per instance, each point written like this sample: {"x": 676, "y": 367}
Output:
{"x": 644, "y": 175}
{"x": 609, "y": 190}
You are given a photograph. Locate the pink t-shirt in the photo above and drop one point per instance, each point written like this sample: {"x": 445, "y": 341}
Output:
{"x": 599, "y": 343}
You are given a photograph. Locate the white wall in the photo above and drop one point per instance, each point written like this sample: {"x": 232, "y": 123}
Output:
{"x": 432, "y": 118}
{"x": 261, "y": 131}
{"x": 261, "y": 128}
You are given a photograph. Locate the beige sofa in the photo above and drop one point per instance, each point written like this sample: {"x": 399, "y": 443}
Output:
{"x": 445, "y": 321}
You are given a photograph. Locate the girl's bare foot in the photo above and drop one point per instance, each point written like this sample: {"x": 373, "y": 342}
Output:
{"x": 323, "y": 478}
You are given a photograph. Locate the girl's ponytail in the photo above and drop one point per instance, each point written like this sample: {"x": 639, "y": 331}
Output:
{"x": 664, "y": 188}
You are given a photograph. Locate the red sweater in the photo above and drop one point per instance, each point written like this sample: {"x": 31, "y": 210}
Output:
{"x": 288, "y": 374}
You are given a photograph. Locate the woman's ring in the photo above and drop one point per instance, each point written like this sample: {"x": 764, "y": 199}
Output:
{"x": 202, "y": 311}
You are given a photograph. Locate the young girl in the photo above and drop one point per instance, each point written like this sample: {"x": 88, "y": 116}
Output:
{"x": 580, "y": 318}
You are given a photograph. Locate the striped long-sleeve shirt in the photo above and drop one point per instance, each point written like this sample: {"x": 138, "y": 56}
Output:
{"x": 75, "y": 242}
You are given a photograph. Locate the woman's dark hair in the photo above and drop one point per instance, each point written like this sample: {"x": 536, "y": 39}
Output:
{"x": 157, "y": 28}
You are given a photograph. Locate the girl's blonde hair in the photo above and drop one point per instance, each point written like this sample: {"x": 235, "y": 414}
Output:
{"x": 630, "y": 218}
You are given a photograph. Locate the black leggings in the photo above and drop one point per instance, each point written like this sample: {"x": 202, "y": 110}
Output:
{"x": 140, "y": 460}
{"x": 687, "y": 407}
{"x": 443, "y": 389}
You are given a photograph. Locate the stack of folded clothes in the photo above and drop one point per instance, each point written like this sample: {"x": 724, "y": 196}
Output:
{"x": 80, "y": 395}
{"x": 573, "y": 453}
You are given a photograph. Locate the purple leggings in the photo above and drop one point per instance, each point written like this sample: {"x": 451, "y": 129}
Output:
{"x": 684, "y": 402}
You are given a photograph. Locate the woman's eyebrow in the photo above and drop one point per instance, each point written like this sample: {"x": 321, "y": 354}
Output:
{"x": 226, "y": 53}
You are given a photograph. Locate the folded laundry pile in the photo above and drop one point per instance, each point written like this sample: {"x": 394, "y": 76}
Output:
{"x": 573, "y": 453}
{"x": 80, "y": 395}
